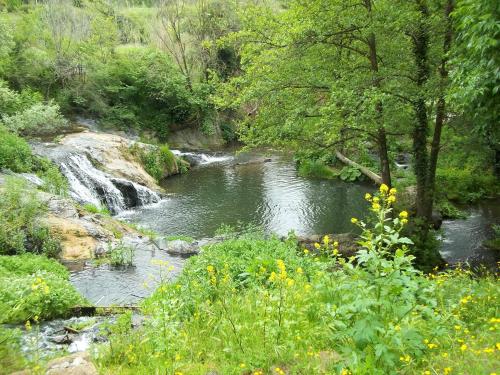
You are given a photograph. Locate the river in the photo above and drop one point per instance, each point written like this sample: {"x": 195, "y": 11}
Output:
{"x": 244, "y": 190}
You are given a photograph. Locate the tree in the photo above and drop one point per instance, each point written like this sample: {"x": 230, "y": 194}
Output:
{"x": 475, "y": 69}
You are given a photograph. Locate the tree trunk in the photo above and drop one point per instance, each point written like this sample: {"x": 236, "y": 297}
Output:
{"x": 440, "y": 111}
{"x": 372, "y": 176}
{"x": 421, "y": 129}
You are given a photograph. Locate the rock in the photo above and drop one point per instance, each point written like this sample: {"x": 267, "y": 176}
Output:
{"x": 76, "y": 364}
{"x": 180, "y": 247}
{"x": 194, "y": 139}
{"x": 347, "y": 242}
{"x": 111, "y": 152}
{"x": 254, "y": 161}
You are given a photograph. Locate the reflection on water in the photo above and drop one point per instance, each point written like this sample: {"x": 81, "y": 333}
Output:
{"x": 269, "y": 195}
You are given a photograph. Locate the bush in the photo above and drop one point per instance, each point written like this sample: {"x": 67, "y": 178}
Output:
{"x": 121, "y": 254}
{"x": 34, "y": 286}
{"x": 316, "y": 169}
{"x": 15, "y": 153}
{"x": 54, "y": 182}
{"x": 159, "y": 162}
{"x": 20, "y": 227}
{"x": 38, "y": 120}
{"x": 465, "y": 185}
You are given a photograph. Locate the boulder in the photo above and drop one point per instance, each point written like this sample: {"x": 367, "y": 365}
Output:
{"x": 347, "y": 242}
{"x": 180, "y": 247}
{"x": 76, "y": 364}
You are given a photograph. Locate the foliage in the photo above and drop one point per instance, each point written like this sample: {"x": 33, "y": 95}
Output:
{"x": 256, "y": 305}
{"x": 93, "y": 209}
{"x": 120, "y": 254}
{"x": 464, "y": 185}
{"x": 350, "y": 174}
{"x": 34, "y": 286}
{"x": 38, "y": 120}
{"x": 20, "y": 226}
{"x": 315, "y": 169}
{"x": 54, "y": 182}
{"x": 159, "y": 162}
{"x": 15, "y": 153}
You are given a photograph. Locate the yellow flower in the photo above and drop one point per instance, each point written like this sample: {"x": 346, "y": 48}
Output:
{"x": 463, "y": 347}
{"x": 397, "y": 328}
{"x": 335, "y": 244}
{"x": 242, "y": 365}
{"x": 384, "y": 188}
{"x": 403, "y": 214}
{"x": 177, "y": 357}
{"x": 368, "y": 196}
{"x": 444, "y": 355}
{"x": 273, "y": 276}
{"x": 354, "y": 220}
{"x": 300, "y": 271}
{"x": 426, "y": 372}
{"x": 345, "y": 372}
{"x": 335, "y": 252}
{"x": 405, "y": 358}
{"x": 376, "y": 199}
{"x": 290, "y": 282}
{"x": 376, "y": 206}
{"x": 210, "y": 269}
{"x": 391, "y": 199}
{"x": 404, "y": 221}
{"x": 457, "y": 328}
{"x": 326, "y": 240}
{"x": 432, "y": 346}
{"x": 27, "y": 325}
{"x": 306, "y": 251}
{"x": 317, "y": 245}
{"x": 393, "y": 191}
{"x": 447, "y": 370}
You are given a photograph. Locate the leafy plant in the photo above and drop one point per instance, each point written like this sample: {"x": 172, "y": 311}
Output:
{"x": 349, "y": 174}
{"x": 93, "y": 209}
{"x": 15, "y": 153}
{"x": 120, "y": 254}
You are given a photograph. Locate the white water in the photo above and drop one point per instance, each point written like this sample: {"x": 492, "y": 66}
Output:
{"x": 202, "y": 159}
{"x": 90, "y": 185}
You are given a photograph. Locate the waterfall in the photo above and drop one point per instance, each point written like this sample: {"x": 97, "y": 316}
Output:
{"x": 90, "y": 185}
{"x": 201, "y": 158}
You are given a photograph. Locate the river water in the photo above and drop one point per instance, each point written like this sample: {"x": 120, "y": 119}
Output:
{"x": 244, "y": 190}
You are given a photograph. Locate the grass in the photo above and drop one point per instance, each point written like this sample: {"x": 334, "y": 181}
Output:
{"x": 256, "y": 305}
{"x": 316, "y": 169}
{"x": 93, "y": 209}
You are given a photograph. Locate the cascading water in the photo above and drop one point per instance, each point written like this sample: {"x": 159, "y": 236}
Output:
{"x": 201, "y": 158}
{"x": 90, "y": 185}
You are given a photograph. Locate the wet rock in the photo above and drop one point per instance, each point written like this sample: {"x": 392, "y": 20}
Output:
{"x": 347, "y": 242}
{"x": 180, "y": 247}
{"x": 62, "y": 339}
{"x": 254, "y": 161}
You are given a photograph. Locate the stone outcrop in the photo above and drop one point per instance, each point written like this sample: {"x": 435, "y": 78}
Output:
{"x": 75, "y": 364}
{"x": 111, "y": 153}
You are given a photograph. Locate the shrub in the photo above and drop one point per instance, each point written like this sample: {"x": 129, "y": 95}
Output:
{"x": 465, "y": 185}
{"x": 38, "y": 120}
{"x": 315, "y": 169}
{"x": 121, "y": 254}
{"x": 54, "y": 181}
{"x": 34, "y": 286}
{"x": 15, "y": 153}
{"x": 159, "y": 162}
{"x": 20, "y": 226}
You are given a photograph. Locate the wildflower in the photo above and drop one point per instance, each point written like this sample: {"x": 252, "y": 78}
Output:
{"x": 336, "y": 244}
{"x": 345, "y": 372}
{"x": 306, "y": 251}
{"x": 447, "y": 370}
{"x": 27, "y": 325}
{"x": 326, "y": 240}
{"x": 279, "y": 371}
{"x": 463, "y": 347}
{"x": 335, "y": 252}
{"x": 393, "y": 191}
{"x": 242, "y": 365}
{"x": 403, "y": 214}
{"x": 432, "y": 346}
{"x": 317, "y": 245}
{"x": 397, "y": 328}
{"x": 210, "y": 269}
{"x": 354, "y": 220}
{"x": 368, "y": 196}
{"x": 405, "y": 358}
{"x": 384, "y": 188}
{"x": 262, "y": 269}
{"x": 290, "y": 282}
{"x": 391, "y": 199}
{"x": 177, "y": 357}
{"x": 300, "y": 271}
{"x": 376, "y": 200}
{"x": 376, "y": 206}
{"x": 404, "y": 221}
{"x": 426, "y": 372}
{"x": 273, "y": 276}
{"x": 444, "y": 355}
{"x": 457, "y": 328}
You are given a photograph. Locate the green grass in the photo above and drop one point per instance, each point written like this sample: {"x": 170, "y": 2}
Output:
{"x": 93, "y": 209}
{"x": 34, "y": 285}
{"x": 256, "y": 305}
{"x": 315, "y": 169}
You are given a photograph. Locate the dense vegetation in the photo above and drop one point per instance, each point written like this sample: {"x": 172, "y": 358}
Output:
{"x": 349, "y": 87}
{"x": 255, "y": 305}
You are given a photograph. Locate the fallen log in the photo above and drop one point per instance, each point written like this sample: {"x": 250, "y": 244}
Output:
{"x": 371, "y": 175}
